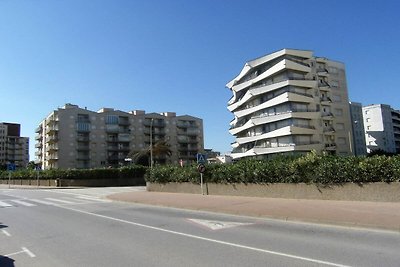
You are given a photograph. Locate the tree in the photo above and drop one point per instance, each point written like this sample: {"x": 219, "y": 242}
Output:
{"x": 160, "y": 149}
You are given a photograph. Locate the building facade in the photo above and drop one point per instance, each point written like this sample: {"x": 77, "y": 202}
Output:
{"x": 357, "y": 122}
{"x": 382, "y": 128}
{"x": 73, "y": 137}
{"x": 14, "y": 149}
{"x": 290, "y": 102}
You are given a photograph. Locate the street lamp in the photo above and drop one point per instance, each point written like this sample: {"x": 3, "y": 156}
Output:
{"x": 151, "y": 144}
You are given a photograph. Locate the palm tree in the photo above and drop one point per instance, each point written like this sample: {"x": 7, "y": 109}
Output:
{"x": 159, "y": 149}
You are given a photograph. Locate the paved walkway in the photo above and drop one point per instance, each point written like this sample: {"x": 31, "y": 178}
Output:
{"x": 379, "y": 215}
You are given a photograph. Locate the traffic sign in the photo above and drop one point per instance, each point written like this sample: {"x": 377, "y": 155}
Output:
{"x": 11, "y": 167}
{"x": 201, "y": 168}
{"x": 201, "y": 158}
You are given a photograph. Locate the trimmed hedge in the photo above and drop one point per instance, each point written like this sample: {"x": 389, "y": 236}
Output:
{"x": 135, "y": 171}
{"x": 311, "y": 168}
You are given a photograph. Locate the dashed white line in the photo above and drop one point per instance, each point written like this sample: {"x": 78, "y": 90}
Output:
{"x": 4, "y": 204}
{"x": 6, "y": 233}
{"x": 23, "y": 203}
{"x": 59, "y": 200}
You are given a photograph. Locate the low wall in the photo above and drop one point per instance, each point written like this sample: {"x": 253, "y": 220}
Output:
{"x": 77, "y": 182}
{"x": 379, "y": 192}
{"x": 35, "y": 182}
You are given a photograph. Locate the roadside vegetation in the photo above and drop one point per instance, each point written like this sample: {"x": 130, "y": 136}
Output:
{"x": 311, "y": 168}
{"x": 132, "y": 171}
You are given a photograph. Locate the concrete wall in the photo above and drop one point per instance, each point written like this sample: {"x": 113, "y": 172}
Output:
{"x": 77, "y": 182}
{"x": 379, "y": 192}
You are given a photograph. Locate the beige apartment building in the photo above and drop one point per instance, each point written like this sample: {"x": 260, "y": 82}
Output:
{"x": 290, "y": 102}
{"x": 14, "y": 149}
{"x": 74, "y": 137}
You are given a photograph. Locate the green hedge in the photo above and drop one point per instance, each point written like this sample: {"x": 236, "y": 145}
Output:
{"x": 135, "y": 171}
{"x": 311, "y": 168}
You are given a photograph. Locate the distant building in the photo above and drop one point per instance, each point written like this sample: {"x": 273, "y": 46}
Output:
{"x": 290, "y": 102}
{"x": 73, "y": 137}
{"x": 357, "y": 122}
{"x": 220, "y": 159}
{"x": 14, "y": 149}
{"x": 382, "y": 128}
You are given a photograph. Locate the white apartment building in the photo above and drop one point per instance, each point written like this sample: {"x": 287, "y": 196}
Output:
{"x": 290, "y": 102}
{"x": 382, "y": 128}
{"x": 357, "y": 123}
{"x": 73, "y": 137}
{"x": 14, "y": 149}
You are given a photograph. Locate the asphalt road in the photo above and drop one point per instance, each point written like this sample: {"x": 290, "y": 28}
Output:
{"x": 40, "y": 227}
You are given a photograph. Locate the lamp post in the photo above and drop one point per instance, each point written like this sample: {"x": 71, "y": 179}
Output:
{"x": 151, "y": 144}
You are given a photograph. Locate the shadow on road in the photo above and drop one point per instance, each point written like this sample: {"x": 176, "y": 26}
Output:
{"x": 6, "y": 261}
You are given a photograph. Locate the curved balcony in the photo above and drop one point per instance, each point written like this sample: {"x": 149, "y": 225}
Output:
{"x": 269, "y": 118}
{"x": 280, "y": 66}
{"x": 280, "y": 99}
{"x": 284, "y": 131}
{"x": 277, "y": 148}
{"x": 253, "y": 92}
{"x": 264, "y": 59}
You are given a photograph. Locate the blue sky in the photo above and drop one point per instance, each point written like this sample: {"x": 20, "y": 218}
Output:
{"x": 178, "y": 55}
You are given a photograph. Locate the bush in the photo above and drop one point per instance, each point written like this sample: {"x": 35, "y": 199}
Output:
{"x": 134, "y": 171}
{"x": 311, "y": 168}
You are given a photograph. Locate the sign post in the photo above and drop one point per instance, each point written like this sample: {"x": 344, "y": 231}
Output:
{"x": 201, "y": 160}
{"x": 201, "y": 168}
{"x": 10, "y": 168}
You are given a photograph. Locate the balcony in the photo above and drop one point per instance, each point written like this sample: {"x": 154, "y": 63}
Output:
{"x": 38, "y": 129}
{"x": 51, "y": 129}
{"x": 52, "y": 148}
{"x": 330, "y": 146}
{"x": 52, "y": 139}
{"x": 328, "y": 130}
{"x": 38, "y": 137}
{"x": 82, "y": 157}
{"x": 83, "y": 147}
{"x": 112, "y": 128}
{"x": 52, "y": 157}
{"x": 82, "y": 138}
{"x": 326, "y": 100}
{"x": 38, "y": 145}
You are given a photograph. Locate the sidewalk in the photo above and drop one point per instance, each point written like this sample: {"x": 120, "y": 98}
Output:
{"x": 378, "y": 215}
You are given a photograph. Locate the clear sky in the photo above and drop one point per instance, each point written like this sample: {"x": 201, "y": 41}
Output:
{"x": 177, "y": 55}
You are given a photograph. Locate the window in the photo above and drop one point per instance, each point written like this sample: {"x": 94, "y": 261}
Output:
{"x": 369, "y": 127}
{"x": 368, "y": 120}
{"x": 339, "y": 112}
{"x": 112, "y": 119}
{"x": 340, "y": 126}
{"x": 341, "y": 141}
{"x": 337, "y": 98}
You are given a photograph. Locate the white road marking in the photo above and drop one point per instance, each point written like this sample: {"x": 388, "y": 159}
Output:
{"x": 94, "y": 198}
{"x": 28, "y": 252}
{"x": 43, "y": 202}
{"x": 23, "y": 203}
{"x": 6, "y": 233}
{"x": 59, "y": 200}
{"x": 209, "y": 239}
{"x": 24, "y": 250}
{"x": 217, "y": 225}
{"x": 4, "y": 204}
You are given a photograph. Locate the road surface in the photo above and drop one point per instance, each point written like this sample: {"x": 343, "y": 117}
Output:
{"x": 78, "y": 227}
